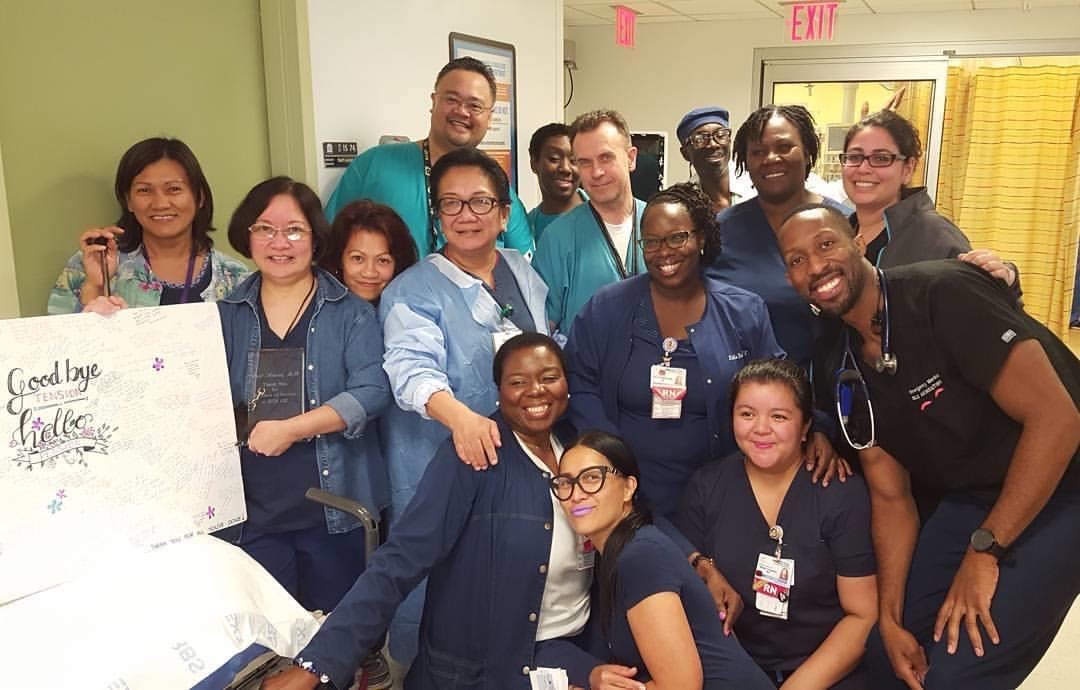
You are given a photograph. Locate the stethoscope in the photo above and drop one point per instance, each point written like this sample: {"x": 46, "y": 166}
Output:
{"x": 849, "y": 374}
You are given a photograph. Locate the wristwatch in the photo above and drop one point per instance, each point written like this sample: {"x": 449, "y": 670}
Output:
{"x": 983, "y": 541}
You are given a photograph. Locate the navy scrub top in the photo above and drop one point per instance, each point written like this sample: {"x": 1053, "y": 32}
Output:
{"x": 826, "y": 532}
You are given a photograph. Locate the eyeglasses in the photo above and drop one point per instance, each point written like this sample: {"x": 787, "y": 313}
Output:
{"x": 700, "y": 140}
{"x": 674, "y": 240}
{"x": 471, "y": 106}
{"x": 590, "y": 479}
{"x": 877, "y": 159}
{"x": 480, "y": 205}
{"x": 267, "y": 232}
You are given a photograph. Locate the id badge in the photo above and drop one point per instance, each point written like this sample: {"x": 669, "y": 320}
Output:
{"x": 585, "y": 552}
{"x": 773, "y": 579}
{"x": 668, "y": 385}
{"x": 498, "y": 338}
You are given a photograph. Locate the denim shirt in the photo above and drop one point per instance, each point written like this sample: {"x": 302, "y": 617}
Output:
{"x": 483, "y": 539}
{"x": 343, "y": 357}
{"x": 438, "y": 323}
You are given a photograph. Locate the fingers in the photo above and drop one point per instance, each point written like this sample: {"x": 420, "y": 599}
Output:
{"x": 495, "y": 442}
{"x": 971, "y": 622}
{"x": 845, "y": 469}
{"x": 991, "y": 629}
{"x": 952, "y": 631}
{"x": 942, "y": 617}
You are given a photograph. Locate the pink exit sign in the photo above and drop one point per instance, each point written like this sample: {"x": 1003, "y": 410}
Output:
{"x": 625, "y": 20}
{"x": 812, "y": 21}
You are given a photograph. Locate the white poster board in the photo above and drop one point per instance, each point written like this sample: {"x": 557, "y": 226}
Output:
{"x": 116, "y": 433}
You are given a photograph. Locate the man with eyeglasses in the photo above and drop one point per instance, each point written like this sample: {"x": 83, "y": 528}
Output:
{"x": 596, "y": 243}
{"x": 977, "y": 400}
{"x": 705, "y": 143}
{"x": 398, "y": 174}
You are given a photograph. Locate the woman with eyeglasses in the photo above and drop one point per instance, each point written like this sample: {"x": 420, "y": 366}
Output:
{"x": 508, "y": 580}
{"x": 160, "y": 250}
{"x": 655, "y": 613}
{"x": 651, "y": 356}
{"x": 304, "y": 357}
{"x": 799, "y": 555}
{"x": 443, "y": 320}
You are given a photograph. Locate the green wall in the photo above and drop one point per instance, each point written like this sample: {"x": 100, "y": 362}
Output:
{"x": 80, "y": 81}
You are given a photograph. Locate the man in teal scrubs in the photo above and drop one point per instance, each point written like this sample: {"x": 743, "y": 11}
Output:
{"x": 551, "y": 158}
{"x": 397, "y": 174}
{"x": 596, "y": 243}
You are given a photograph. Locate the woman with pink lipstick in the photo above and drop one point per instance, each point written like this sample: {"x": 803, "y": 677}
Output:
{"x": 160, "y": 250}
{"x": 305, "y": 369}
{"x": 799, "y": 555}
{"x": 656, "y": 614}
{"x": 508, "y": 579}
{"x": 369, "y": 246}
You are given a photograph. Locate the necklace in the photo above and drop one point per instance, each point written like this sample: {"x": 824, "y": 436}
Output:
{"x": 299, "y": 310}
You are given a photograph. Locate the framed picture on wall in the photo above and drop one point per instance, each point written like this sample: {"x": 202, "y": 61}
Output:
{"x": 501, "y": 140}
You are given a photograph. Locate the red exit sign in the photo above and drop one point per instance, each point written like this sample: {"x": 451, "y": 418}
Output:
{"x": 812, "y": 21}
{"x": 625, "y": 22}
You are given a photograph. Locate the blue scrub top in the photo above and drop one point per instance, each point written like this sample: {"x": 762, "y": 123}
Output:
{"x": 651, "y": 564}
{"x": 826, "y": 532}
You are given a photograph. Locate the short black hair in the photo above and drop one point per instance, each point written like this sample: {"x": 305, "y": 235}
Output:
{"x": 841, "y": 220}
{"x": 698, "y": 205}
{"x": 470, "y": 157}
{"x": 776, "y": 370}
{"x": 540, "y": 136}
{"x": 524, "y": 341}
{"x": 751, "y": 130}
{"x": 259, "y": 198}
{"x": 469, "y": 64}
{"x": 150, "y": 151}
{"x": 364, "y": 214}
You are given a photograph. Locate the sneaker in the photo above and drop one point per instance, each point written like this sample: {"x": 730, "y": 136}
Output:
{"x": 375, "y": 672}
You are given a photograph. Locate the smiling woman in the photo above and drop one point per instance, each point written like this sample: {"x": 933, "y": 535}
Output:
{"x": 160, "y": 250}
{"x": 509, "y": 585}
{"x": 659, "y": 378}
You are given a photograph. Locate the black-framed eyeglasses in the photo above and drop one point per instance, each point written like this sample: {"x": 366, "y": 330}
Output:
{"x": 590, "y": 479}
{"x": 480, "y": 205}
{"x": 674, "y": 240}
{"x": 267, "y": 232}
{"x": 877, "y": 159}
{"x": 700, "y": 140}
{"x": 471, "y": 106}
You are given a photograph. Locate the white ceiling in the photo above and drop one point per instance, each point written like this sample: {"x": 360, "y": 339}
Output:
{"x": 593, "y": 12}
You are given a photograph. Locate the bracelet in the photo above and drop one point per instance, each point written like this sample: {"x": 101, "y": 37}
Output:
{"x": 699, "y": 558}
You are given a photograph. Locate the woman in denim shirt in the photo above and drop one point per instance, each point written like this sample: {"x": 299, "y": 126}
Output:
{"x": 166, "y": 209}
{"x": 509, "y": 581}
{"x": 308, "y": 324}
{"x": 443, "y": 320}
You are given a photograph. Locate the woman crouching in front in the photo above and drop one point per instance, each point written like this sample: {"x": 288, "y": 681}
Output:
{"x": 657, "y": 615}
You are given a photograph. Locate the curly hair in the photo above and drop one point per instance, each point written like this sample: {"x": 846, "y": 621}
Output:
{"x": 751, "y": 130}
{"x": 698, "y": 205}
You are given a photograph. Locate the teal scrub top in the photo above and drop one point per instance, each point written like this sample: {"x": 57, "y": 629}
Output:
{"x": 393, "y": 174}
{"x": 575, "y": 261}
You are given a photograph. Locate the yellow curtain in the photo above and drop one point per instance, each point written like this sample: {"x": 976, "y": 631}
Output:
{"x": 1009, "y": 174}
{"x": 915, "y": 107}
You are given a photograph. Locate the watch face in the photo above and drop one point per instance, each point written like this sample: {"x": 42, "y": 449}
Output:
{"x": 982, "y": 540}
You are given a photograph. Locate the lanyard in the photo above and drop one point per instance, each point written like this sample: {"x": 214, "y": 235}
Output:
{"x": 190, "y": 271}
{"x": 433, "y": 235}
{"x": 632, "y": 248}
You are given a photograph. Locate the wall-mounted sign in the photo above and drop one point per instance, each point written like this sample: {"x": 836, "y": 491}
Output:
{"x": 338, "y": 154}
{"x": 625, "y": 22}
{"x": 500, "y": 142}
{"x": 812, "y": 21}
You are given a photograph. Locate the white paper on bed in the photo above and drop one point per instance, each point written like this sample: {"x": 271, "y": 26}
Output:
{"x": 150, "y": 621}
{"x": 116, "y": 434}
